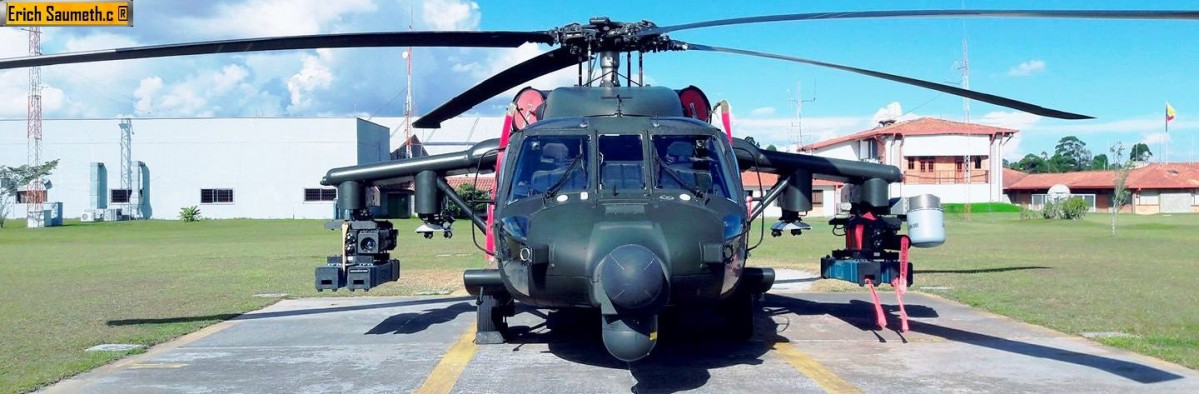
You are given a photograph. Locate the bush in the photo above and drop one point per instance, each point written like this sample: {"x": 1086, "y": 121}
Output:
{"x": 1074, "y": 208}
{"x": 189, "y": 214}
{"x": 476, "y": 198}
{"x": 1026, "y": 213}
{"x": 1052, "y": 209}
{"x": 980, "y": 207}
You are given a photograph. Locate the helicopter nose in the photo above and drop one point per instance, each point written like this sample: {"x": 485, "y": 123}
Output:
{"x": 632, "y": 277}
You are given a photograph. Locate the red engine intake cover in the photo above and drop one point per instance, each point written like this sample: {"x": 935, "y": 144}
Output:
{"x": 527, "y": 101}
{"x": 695, "y": 104}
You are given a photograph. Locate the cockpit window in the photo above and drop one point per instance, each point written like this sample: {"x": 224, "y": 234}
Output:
{"x": 690, "y": 162}
{"x": 621, "y": 162}
{"x": 546, "y": 162}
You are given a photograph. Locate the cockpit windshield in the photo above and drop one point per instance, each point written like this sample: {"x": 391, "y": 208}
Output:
{"x": 692, "y": 163}
{"x": 621, "y": 162}
{"x": 550, "y": 163}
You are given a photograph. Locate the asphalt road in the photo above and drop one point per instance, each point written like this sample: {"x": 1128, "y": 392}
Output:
{"x": 806, "y": 342}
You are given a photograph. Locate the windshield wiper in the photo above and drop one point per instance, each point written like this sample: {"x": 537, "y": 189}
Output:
{"x": 677, "y": 178}
{"x": 553, "y": 190}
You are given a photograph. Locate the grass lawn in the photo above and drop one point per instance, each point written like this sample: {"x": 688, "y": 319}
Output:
{"x": 66, "y": 289}
{"x": 1071, "y": 276}
{"x": 69, "y": 288}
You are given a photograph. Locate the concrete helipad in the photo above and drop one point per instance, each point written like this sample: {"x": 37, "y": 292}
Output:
{"x": 806, "y": 342}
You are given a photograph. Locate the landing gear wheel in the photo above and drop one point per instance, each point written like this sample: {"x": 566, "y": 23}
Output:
{"x": 738, "y": 312}
{"x": 491, "y": 318}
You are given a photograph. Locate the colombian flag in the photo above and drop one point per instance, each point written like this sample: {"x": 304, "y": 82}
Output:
{"x": 1169, "y": 112}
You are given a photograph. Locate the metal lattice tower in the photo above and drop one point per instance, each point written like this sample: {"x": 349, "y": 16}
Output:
{"x": 36, "y": 190}
{"x": 127, "y": 154}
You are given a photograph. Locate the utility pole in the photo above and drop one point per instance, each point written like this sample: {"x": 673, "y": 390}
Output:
{"x": 36, "y": 190}
{"x": 965, "y": 69}
{"x": 797, "y": 137}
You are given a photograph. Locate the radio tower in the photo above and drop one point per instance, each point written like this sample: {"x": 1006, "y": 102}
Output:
{"x": 408, "y": 105}
{"x": 797, "y": 137}
{"x": 965, "y": 68}
{"x": 36, "y": 190}
{"x": 408, "y": 93}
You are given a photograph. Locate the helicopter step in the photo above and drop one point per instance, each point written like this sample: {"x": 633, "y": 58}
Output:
{"x": 494, "y": 303}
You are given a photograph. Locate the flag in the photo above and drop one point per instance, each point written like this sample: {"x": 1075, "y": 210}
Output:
{"x": 1169, "y": 112}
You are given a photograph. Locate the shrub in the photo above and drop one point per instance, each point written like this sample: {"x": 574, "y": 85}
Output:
{"x": 1026, "y": 213}
{"x": 980, "y": 207}
{"x": 189, "y": 214}
{"x": 476, "y": 198}
{"x": 1074, "y": 208}
{"x": 1052, "y": 209}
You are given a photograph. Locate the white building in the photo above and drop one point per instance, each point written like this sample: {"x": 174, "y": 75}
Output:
{"x": 228, "y": 167}
{"x": 958, "y": 162}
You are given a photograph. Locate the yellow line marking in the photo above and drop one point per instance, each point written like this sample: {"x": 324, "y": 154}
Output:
{"x": 823, "y": 377}
{"x": 445, "y": 374}
{"x": 157, "y": 365}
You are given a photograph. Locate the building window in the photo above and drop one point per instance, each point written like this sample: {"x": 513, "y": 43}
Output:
{"x": 324, "y": 194}
{"x": 958, "y": 164}
{"x": 926, "y": 164}
{"x": 216, "y": 196}
{"x": 120, "y": 196}
{"x": 1149, "y": 197}
{"x": 911, "y": 163}
{"x": 978, "y": 163}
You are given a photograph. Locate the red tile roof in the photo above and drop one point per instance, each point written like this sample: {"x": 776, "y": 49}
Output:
{"x": 1011, "y": 176}
{"x": 749, "y": 179}
{"x": 485, "y": 182}
{"x": 922, "y": 126}
{"x": 1151, "y": 176}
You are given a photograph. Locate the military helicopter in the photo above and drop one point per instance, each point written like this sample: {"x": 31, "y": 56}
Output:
{"x": 613, "y": 194}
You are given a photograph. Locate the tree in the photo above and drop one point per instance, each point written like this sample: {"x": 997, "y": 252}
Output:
{"x": 1031, "y": 164}
{"x": 1071, "y": 154}
{"x": 475, "y": 197}
{"x": 13, "y": 178}
{"x": 1099, "y": 162}
{"x": 1120, "y": 194}
{"x": 1140, "y": 152}
{"x": 771, "y": 147}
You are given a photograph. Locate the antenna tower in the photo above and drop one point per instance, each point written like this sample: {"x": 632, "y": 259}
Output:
{"x": 797, "y": 137}
{"x": 36, "y": 190}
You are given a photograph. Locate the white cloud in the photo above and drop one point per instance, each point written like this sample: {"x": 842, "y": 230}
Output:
{"x": 1031, "y": 67}
{"x": 892, "y": 111}
{"x": 314, "y": 76}
{"x": 1153, "y": 139}
{"x": 264, "y": 18}
{"x": 762, "y": 111}
{"x": 451, "y": 14}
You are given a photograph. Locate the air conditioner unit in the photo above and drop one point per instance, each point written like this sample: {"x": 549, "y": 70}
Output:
{"x": 88, "y": 216}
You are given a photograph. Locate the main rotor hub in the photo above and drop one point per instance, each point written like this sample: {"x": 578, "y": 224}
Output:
{"x": 601, "y": 34}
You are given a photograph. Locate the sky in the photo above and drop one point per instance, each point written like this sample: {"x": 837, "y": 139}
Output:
{"x": 1120, "y": 72}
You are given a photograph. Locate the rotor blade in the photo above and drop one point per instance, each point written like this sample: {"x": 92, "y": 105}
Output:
{"x": 984, "y": 97}
{"x": 485, "y": 39}
{"x": 512, "y": 77}
{"x": 1080, "y": 14}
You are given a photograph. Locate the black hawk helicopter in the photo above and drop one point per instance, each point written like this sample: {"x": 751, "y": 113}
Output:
{"x": 613, "y": 194}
